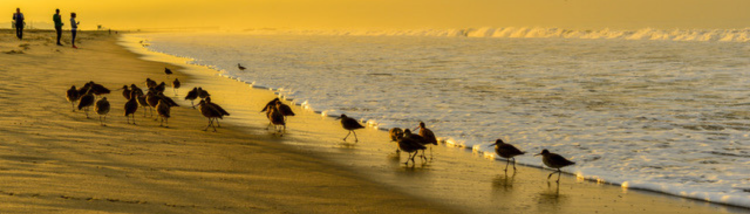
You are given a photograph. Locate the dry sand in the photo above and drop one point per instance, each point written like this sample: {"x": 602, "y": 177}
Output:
{"x": 53, "y": 160}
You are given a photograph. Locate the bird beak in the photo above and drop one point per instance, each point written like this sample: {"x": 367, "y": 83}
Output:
{"x": 492, "y": 144}
{"x": 537, "y": 154}
{"x": 338, "y": 118}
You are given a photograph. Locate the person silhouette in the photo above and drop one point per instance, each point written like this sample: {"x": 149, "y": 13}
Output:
{"x": 18, "y": 23}
{"x": 58, "y": 25}
{"x": 73, "y": 27}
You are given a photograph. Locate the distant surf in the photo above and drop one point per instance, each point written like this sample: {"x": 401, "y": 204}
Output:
{"x": 724, "y": 35}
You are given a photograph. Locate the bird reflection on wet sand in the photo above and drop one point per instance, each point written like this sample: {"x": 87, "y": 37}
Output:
{"x": 504, "y": 182}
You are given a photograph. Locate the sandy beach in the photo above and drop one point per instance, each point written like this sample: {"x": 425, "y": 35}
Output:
{"x": 53, "y": 160}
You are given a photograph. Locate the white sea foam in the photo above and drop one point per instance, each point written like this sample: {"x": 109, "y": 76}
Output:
{"x": 658, "y": 115}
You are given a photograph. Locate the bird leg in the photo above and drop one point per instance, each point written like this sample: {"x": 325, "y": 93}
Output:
{"x": 209, "y": 124}
{"x": 514, "y": 165}
{"x": 73, "y": 104}
{"x": 558, "y": 175}
{"x": 347, "y": 135}
{"x": 166, "y": 120}
{"x": 507, "y": 162}
{"x": 550, "y": 175}
{"x": 217, "y": 122}
{"x": 191, "y": 103}
{"x": 355, "y": 136}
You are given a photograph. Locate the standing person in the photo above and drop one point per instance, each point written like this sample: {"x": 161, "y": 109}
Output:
{"x": 19, "y": 20}
{"x": 58, "y": 25}
{"x": 73, "y": 27}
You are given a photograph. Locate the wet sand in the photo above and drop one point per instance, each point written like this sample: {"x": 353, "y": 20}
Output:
{"x": 453, "y": 177}
{"x": 53, "y": 160}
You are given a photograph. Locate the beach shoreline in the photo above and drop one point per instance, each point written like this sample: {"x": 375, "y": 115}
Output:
{"x": 664, "y": 202}
{"x": 57, "y": 161}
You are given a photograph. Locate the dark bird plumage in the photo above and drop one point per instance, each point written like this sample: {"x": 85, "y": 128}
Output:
{"x": 150, "y": 83}
{"x": 131, "y": 106}
{"x": 553, "y": 160}
{"x": 203, "y": 93}
{"x": 126, "y": 92}
{"x": 209, "y": 113}
{"x": 350, "y": 124}
{"x": 175, "y": 85}
{"x": 72, "y": 96}
{"x": 507, "y": 151}
{"x": 102, "y": 109}
{"x": 160, "y": 87}
{"x": 270, "y": 104}
{"x": 276, "y": 117}
{"x": 409, "y": 144}
{"x": 242, "y": 68}
{"x": 192, "y": 95}
{"x": 396, "y": 133}
{"x": 163, "y": 109}
{"x": 167, "y": 71}
{"x": 86, "y": 101}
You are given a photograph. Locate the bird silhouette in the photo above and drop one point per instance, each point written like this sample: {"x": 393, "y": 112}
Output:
{"x": 192, "y": 95}
{"x": 102, "y": 109}
{"x": 163, "y": 109}
{"x": 553, "y": 160}
{"x": 175, "y": 85}
{"x": 86, "y": 101}
{"x": 507, "y": 151}
{"x": 409, "y": 144}
{"x": 350, "y": 124}
{"x": 131, "y": 106}
{"x": 240, "y": 67}
{"x": 72, "y": 96}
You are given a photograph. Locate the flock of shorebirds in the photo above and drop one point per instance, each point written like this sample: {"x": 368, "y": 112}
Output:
{"x": 276, "y": 112}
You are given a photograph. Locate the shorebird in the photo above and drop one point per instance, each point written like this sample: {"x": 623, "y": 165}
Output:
{"x": 428, "y": 136}
{"x": 203, "y": 93}
{"x": 350, "y": 124}
{"x": 150, "y": 83}
{"x": 396, "y": 134}
{"x": 131, "y": 106}
{"x": 160, "y": 88}
{"x": 276, "y": 117}
{"x": 240, "y": 67}
{"x": 86, "y": 101}
{"x": 72, "y": 96}
{"x": 270, "y": 104}
{"x": 84, "y": 89}
{"x": 102, "y": 109}
{"x": 141, "y": 98}
{"x": 553, "y": 160}
{"x": 209, "y": 113}
{"x": 152, "y": 100}
{"x": 409, "y": 145}
{"x": 133, "y": 87}
{"x": 192, "y": 95}
{"x": 217, "y": 108}
{"x": 507, "y": 151}
{"x": 175, "y": 85}
{"x": 167, "y": 72}
{"x": 125, "y": 92}
{"x": 98, "y": 89}
{"x": 162, "y": 108}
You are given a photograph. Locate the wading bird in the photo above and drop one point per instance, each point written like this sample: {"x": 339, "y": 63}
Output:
{"x": 102, "y": 109}
{"x": 86, "y": 101}
{"x": 131, "y": 106}
{"x": 192, "y": 95}
{"x": 428, "y": 136}
{"x": 218, "y": 108}
{"x": 175, "y": 85}
{"x": 240, "y": 67}
{"x": 209, "y": 113}
{"x": 167, "y": 72}
{"x": 276, "y": 117}
{"x": 350, "y": 124}
{"x": 553, "y": 160}
{"x": 203, "y": 93}
{"x": 125, "y": 92}
{"x": 507, "y": 151}
{"x": 409, "y": 145}
{"x": 396, "y": 134}
{"x": 72, "y": 96}
{"x": 163, "y": 109}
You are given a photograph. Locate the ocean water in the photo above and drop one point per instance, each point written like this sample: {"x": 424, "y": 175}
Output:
{"x": 661, "y": 110}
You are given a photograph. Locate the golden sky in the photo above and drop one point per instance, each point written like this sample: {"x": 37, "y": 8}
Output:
{"x": 241, "y": 14}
